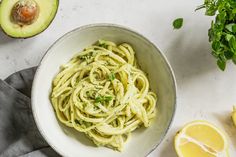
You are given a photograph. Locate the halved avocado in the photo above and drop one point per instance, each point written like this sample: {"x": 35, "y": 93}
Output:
{"x": 26, "y": 18}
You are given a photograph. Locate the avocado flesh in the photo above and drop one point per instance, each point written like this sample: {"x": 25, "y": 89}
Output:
{"x": 47, "y": 12}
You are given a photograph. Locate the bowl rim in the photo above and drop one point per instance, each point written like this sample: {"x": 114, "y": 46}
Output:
{"x": 83, "y": 27}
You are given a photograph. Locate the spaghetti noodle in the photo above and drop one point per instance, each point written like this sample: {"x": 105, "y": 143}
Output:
{"x": 102, "y": 92}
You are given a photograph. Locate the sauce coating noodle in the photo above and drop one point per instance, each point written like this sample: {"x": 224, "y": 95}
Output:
{"x": 102, "y": 92}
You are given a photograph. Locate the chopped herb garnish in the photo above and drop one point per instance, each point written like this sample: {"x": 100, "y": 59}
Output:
{"x": 76, "y": 121}
{"x": 111, "y": 77}
{"x": 98, "y": 99}
{"x": 86, "y": 56}
{"x": 103, "y": 45}
{"x": 103, "y": 99}
{"x": 108, "y": 98}
{"x": 177, "y": 23}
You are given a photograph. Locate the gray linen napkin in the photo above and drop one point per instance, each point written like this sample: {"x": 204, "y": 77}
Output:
{"x": 19, "y": 135}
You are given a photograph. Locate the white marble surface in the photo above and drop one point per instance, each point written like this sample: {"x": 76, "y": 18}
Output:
{"x": 204, "y": 92}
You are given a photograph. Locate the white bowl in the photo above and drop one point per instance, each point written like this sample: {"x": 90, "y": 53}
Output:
{"x": 71, "y": 143}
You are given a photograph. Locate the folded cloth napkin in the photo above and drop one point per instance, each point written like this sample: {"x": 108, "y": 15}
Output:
{"x": 19, "y": 135}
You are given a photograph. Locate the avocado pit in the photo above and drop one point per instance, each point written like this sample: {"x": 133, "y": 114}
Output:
{"x": 25, "y": 12}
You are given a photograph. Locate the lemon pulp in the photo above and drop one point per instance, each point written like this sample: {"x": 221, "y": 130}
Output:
{"x": 190, "y": 149}
{"x": 207, "y": 136}
{"x": 201, "y": 139}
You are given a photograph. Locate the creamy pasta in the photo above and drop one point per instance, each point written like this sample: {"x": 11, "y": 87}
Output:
{"x": 102, "y": 92}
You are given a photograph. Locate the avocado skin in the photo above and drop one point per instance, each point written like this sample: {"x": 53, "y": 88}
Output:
{"x": 58, "y": 1}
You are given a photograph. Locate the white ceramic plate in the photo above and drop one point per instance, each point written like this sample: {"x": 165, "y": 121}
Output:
{"x": 71, "y": 143}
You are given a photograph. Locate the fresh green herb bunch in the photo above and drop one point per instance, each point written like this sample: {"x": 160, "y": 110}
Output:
{"x": 222, "y": 33}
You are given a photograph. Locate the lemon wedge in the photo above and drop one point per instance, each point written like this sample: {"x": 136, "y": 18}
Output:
{"x": 234, "y": 115}
{"x": 201, "y": 139}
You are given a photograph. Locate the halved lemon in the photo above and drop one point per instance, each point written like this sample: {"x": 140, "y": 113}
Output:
{"x": 201, "y": 139}
{"x": 234, "y": 115}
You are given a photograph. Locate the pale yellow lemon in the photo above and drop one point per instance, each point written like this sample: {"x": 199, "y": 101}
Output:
{"x": 201, "y": 139}
{"x": 234, "y": 115}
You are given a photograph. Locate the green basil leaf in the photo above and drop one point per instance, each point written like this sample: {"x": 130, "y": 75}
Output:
{"x": 220, "y": 18}
{"x": 221, "y": 64}
{"x": 215, "y": 45}
{"x": 232, "y": 44}
{"x": 177, "y": 23}
{"x": 234, "y": 59}
{"x": 229, "y": 27}
{"x": 228, "y": 37}
{"x": 228, "y": 54}
{"x": 211, "y": 34}
{"x": 234, "y": 11}
{"x": 234, "y": 28}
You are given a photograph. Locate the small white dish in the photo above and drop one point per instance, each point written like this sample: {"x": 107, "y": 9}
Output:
{"x": 68, "y": 142}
